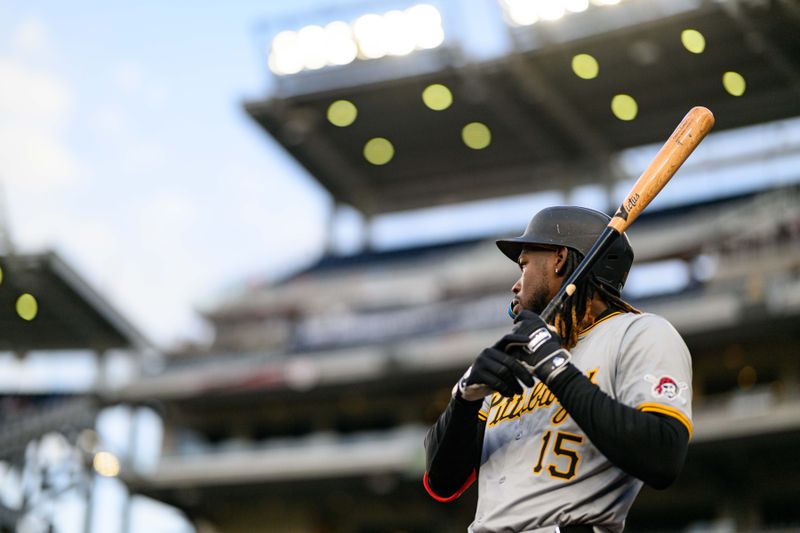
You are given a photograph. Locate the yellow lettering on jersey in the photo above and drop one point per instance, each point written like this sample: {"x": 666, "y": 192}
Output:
{"x": 538, "y": 397}
{"x": 559, "y": 417}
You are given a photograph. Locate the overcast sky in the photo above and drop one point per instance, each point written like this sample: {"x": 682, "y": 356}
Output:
{"x": 124, "y": 146}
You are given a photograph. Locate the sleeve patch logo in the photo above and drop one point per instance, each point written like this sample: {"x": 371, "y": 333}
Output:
{"x": 666, "y": 387}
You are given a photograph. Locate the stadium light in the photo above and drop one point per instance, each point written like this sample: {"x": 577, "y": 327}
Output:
{"x": 369, "y": 31}
{"x": 528, "y": 12}
{"x": 425, "y": 22}
{"x": 476, "y": 135}
{"x": 28, "y": 307}
{"x": 437, "y": 97}
{"x": 285, "y": 57}
{"x": 311, "y": 41}
{"x": 342, "y": 113}
{"x": 378, "y": 151}
{"x": 624, "y": 107}
{"x": 106, "y": 464}
{"x": 585, "y": 66}
{"x": 734, "y": 83}
{"x": 370, "y": 36}
{"x": 339, "y": 44}
{"x": 693, "y": 41}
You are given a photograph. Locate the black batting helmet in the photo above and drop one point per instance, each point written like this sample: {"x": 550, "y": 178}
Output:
{"x": 576, "y": 228}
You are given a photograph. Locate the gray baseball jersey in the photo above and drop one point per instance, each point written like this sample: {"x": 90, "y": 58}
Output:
{"x": 538, "y": 468}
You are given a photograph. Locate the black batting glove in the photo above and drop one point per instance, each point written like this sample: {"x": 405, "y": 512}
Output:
{"x": 533, "y": 342}
{"x": 499, "y": 371}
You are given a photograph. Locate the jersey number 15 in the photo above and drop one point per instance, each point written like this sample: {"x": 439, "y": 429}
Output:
{"x": 562, "y": 450}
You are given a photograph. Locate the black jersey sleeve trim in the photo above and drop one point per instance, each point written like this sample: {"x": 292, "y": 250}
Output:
{"x": 649, "y": 446}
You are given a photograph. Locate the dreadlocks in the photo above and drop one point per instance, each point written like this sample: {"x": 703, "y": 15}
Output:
{"x": 578, "y": 307}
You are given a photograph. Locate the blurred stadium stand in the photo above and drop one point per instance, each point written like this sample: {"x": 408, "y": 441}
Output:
{"x": 322, "y": 424}
{"x": 48, "y": 441}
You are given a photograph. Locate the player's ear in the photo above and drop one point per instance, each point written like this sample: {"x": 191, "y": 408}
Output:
{"x": 561, "y": 259}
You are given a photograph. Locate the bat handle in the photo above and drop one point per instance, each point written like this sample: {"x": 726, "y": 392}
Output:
{"x": 601, "y": 245}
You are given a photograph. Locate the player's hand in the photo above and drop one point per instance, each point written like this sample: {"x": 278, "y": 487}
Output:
{"x": 533, "y": 342}
{"x": 496, "y": 370}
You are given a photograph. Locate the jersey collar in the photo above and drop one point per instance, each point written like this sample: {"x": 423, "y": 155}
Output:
{"x": 605, "y": 315}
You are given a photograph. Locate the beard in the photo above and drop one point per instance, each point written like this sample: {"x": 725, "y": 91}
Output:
{"x": 537, "y": 301}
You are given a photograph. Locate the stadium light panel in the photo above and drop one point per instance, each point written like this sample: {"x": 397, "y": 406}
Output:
{"x": 399, "y": 37}
{"x": 576, "y": 6}
{"x": 340, "y": 46}
{"x": 311, "y": 41}
{"x": 285, "y": 57}
{"x": 521, "y": 12}
{"x": 369, "y": 31}
{"x": 528, "y": 12}
{"x": 550, "y": 9}
{"x": 371, "y": 36}
{"x": 425, "y": 22}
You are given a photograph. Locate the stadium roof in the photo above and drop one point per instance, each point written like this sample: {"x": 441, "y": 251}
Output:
{"x": 70, "y": 315}
{"x": 549, "y": 128}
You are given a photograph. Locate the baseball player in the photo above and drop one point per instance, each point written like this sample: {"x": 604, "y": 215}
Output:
{"x": 562, "y": 425}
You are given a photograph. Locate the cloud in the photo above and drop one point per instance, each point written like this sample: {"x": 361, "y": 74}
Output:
{"x": 35, "y": 106}
{"x": 30, "y": 37}
{"x": 283, "y": 215}
{"x": 159, "y": 273}
{"x": 132, "y": 80}
{"x": 128, "y": 77}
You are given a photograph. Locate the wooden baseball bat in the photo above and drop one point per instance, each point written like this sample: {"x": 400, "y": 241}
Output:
{"x": 691, "y": 130}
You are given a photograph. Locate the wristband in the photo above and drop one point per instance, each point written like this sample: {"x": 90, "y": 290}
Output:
{"x": 461, "y": 384}
{"x": 552, "y": 365}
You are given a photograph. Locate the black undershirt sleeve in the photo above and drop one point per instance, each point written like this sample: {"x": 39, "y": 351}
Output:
{"x": 453, "y": 446}
{"x": 648, "y": 446}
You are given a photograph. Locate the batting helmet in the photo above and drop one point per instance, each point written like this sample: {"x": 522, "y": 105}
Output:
{"x": 576, "y": 228}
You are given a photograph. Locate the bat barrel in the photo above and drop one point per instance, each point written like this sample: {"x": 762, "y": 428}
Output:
{"x": 680, "y": 145}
